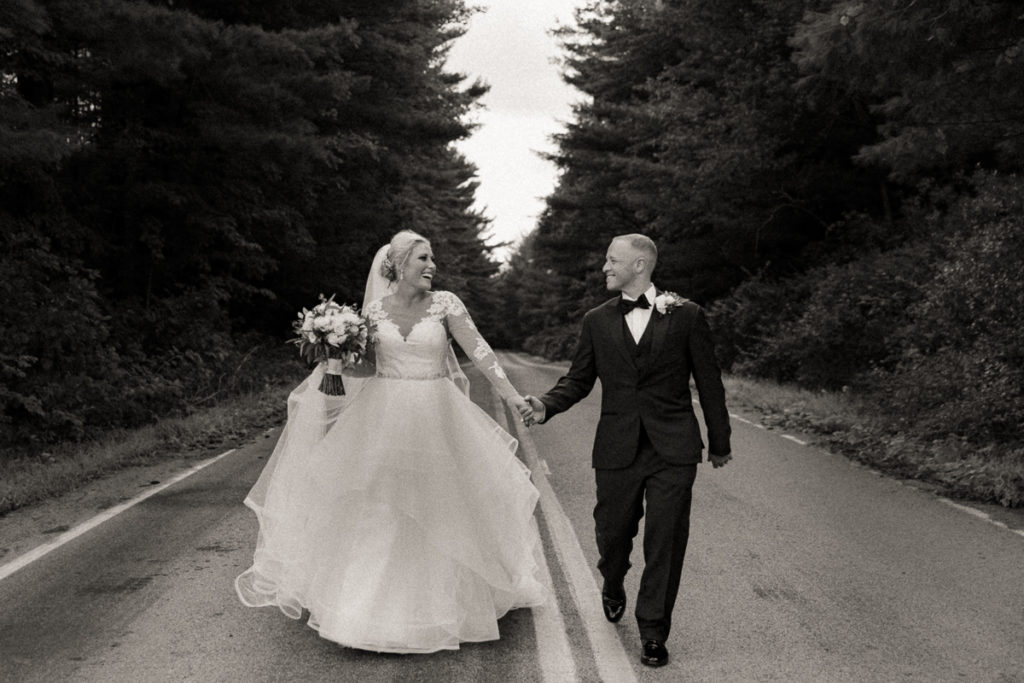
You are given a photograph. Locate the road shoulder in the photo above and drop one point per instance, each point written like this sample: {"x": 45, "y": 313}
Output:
{"x": 34, "y": 525}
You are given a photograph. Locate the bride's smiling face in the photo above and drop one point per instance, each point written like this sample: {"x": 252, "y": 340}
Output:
{"x": 420, "y": 267}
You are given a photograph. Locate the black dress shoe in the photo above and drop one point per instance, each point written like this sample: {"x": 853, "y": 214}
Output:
{"x": 654, "y": 653}
{"x": 614, "y": 606}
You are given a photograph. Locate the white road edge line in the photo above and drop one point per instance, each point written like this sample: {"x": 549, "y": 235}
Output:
{"x": 609, "y": 654}
{"x": 980, "y": 514}
{"x": 73, "y": 533}
{"x": 582, "y": 587}
{"x": 963, "y": 508}
{"x": 553, "y": 650}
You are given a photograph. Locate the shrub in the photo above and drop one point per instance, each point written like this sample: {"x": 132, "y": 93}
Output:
{"x": 55, "y": 357}
{"x": 929, "y": 331}
{"x": 846, "y": 323}
{"x": 555, "y": 343}
{"x": 70, "y": 370}
{"x": 961, "y": 368}
{"x": 746, "y": 323}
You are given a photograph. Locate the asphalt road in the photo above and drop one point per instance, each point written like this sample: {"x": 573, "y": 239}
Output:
{"x": 801, "y": 567}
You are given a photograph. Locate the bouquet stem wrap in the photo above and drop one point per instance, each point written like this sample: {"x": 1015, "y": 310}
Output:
{"x": 332, "y": 383}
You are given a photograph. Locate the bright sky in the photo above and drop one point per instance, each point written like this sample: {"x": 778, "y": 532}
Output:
{"x": 509, "y": 47}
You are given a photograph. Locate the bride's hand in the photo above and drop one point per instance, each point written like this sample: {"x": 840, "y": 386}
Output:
{"x": 523, "y": 408}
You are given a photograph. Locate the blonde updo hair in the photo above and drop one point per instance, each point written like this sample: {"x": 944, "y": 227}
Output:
{"x": 398, "y": 253}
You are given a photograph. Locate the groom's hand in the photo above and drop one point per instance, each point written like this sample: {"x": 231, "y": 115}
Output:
{"x": 523, "y": 408}
{"x": 719, "y": 460}
{"x": 539, "y": 410}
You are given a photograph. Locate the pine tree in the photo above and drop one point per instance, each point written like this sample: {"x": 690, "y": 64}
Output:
{"x": 55, "y": 359}
{"x": 941, "y": 82}
{"x": 182, "y": 174}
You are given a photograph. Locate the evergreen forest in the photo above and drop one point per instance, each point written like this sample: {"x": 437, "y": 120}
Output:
{"x": 837, "y": 182}
{"x": 178, "y": 178}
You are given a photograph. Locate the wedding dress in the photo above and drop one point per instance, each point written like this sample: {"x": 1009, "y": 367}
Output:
{"x": 398, "y": 515}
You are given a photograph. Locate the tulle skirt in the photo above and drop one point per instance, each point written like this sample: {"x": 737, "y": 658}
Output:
{"x": 398, "y": 516}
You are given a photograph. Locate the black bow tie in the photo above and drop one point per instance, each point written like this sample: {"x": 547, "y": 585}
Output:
{"x": 625, "y": 305}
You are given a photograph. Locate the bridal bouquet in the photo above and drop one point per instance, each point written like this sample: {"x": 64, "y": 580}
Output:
{"x": 333, "y": 333}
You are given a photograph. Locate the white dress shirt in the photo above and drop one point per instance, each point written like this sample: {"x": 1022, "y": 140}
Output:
{"x": 637, "y": 319}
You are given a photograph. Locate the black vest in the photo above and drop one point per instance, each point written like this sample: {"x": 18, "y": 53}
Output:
{"x": 642, "y": 349}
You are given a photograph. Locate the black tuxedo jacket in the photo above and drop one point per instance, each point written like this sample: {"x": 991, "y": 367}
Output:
{"x": 654, "y": 391}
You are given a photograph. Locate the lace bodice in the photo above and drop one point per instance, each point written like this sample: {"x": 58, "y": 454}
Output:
{"x": 423, "y": 353}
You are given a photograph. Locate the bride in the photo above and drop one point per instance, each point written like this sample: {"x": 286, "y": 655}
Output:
{"x": 398, "y": 515}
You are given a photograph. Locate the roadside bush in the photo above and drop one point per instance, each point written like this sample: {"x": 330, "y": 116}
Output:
{"x": 70, "y": 371}
{"x": 824, "y": 328}
{"x": 846, "y": 324}
{"x": 746, "y": 323}
{"x": 55, "y": 357}
{"x": 961, "y": 368}
{"x": 929, "y": 332}
{"x": 556, "y": 343}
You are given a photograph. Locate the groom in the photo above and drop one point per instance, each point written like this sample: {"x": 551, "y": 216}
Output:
{"x": 644, "y": 346}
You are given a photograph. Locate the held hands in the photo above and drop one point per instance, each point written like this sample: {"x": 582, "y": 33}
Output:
{"x": 538, "y": 411}
{"x": 528, "y": 408}
{"x": 523, "y": 408}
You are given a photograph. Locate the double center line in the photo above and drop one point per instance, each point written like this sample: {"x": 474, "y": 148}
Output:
{"x": 610, "y": 658}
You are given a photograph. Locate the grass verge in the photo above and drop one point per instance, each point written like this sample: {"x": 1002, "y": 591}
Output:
{"x": 203, "y": 433}
{"x": 845, "y": 424}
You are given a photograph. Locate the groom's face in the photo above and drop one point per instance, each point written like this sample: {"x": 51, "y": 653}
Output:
{"x": 620, "y": 266}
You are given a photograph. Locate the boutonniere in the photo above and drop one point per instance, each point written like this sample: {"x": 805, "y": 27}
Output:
{"x": 666, "y": 302}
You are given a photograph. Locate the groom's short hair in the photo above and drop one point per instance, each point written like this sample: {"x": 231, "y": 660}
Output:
{"x": 643, "y": 244}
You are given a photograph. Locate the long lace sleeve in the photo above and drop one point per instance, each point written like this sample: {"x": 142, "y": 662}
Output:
{"x": 464, "y": 331}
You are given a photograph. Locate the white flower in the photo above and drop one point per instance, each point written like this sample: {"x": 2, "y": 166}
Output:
{"x": 348, "y": 317}
{"x": 498, "y": 372}
{"x": 665, "y": 302}
{"x": 331, "y": 329}
{"x": 482, "y": 350}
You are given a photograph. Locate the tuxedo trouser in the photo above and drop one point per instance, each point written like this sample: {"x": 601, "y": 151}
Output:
{"x": 667, "y": 489}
